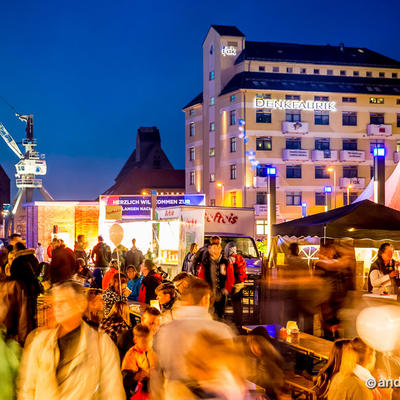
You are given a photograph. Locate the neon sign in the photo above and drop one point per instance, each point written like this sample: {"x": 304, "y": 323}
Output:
{"x": 308, "y": 105}
{"x": 228, "y": 51}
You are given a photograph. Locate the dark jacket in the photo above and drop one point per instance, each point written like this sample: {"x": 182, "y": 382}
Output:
{"x": 148, "y": 288}
{"x": 135, "y": 258}
{"x": 188, "y": 263}
{"x": 63, "y": 265}
{"x": 379, "y": 264}
{"x": 101, "y": 255}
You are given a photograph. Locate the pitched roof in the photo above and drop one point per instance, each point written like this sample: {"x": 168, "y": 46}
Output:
{"x": 227, "y": 30}
{"x": 197, "y": 100}
{"x": 315, "y": 54}
{"x": 312, "y": 83}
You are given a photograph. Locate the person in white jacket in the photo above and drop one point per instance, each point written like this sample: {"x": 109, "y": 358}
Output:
{"x": 71, "y": 361}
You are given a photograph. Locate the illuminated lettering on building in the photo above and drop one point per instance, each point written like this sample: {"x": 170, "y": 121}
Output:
{"x": 308, "y": 105}
{"x": 228, "y": 51}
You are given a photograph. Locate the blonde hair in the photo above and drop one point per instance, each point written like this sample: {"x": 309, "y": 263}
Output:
{"x": 349, "y": 360}
{"x": 122, "y": 309}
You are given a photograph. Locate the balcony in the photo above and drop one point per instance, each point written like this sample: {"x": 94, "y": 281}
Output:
{"x": 379, "y": 130}
{"x": 260, "y": 209}
{"x": 352, "y": 155}
{"x": 295, "y": 155}
{"x": 396, "y": 156}
{"x": 324, "y": 155}
{"x": 260, "y": 182}
{"x": 300, "y": 128}
{"x": 356, "y": 183}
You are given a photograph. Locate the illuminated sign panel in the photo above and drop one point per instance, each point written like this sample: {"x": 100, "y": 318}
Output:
{"x": 228, "y": 51}
{"x": 308, "y": 105}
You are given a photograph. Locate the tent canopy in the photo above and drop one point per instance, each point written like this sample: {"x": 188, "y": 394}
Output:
{"x": 364, "y": 219}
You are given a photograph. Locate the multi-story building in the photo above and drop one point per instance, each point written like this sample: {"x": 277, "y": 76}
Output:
{"x": 313, "y": 112}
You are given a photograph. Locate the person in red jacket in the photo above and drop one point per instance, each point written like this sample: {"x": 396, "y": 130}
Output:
{"x": 239, "y": 270}
{"x": 151, "y": 280}
{"x": 109, "y": 274}
{"x": 218, "y": 272}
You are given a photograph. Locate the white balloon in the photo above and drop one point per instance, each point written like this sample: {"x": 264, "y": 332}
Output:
{"x": 379, "y": 327}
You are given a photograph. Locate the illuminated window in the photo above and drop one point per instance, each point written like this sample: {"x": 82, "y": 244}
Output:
{"x": 192, "y": 178}
{"x": 212, "y": 126}
{"x": 321, "y": 172}
{"x": 212, "y": 177}
{"x": 376, "y": 100}
{"x": 398, "y": 146}
{"x": 191, "y": 154}
{"x": 233, "y": 118}
{"x": 293, "y": 171}
{"x": 261, "y": 227}
{"x": 233, "y": 98}
{"x": 349, "y": 118}
{"x": 212, "y": 101}
{"x": 233, "y": 199}
{"x": 233, "y": 145}
{"x": 263, "y": 116}
{"x": 293, "y": 198}
{"x": 376, "y": 118}
{"x": 321, "y": 117}
{"x": 320, "y": 199}
{"x": 212, "y": 152}
{"x": 233, "y": 171}
{"x": 261, "y": 69}
{"x": 211, "y": 76}
{"x": 191, "y": 129}
{"x": 264, "y": 143}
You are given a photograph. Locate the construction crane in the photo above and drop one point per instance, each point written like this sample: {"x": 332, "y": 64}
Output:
{"x": 30, "y": 164}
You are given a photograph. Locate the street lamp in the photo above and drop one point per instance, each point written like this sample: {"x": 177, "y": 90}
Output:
{"x": 332, "y": 169}
{"x": 348, "y": 193}
{"x": 221, "y": 185}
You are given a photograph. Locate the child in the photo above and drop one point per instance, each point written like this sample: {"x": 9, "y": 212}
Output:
{"x": 134, "y": 282}
{"x": 136, "y": 364}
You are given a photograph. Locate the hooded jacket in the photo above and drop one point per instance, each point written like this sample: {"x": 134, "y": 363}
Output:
{"x": 238, "y": 262}
{"x": 148, "y": 287}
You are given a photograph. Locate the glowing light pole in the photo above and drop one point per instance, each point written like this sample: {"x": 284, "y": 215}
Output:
{"x": 328, "y": 197}
{"x": 332, "y": 169}
{"x": 348, "y": 194}
{"x": 221, "y": 186}
{"x": 271, "y": 204}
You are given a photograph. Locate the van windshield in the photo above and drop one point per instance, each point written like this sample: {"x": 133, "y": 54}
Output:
{"x": 245, "y": 245}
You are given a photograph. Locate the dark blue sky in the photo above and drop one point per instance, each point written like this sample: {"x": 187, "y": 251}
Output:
{"x": 92, "y": 72}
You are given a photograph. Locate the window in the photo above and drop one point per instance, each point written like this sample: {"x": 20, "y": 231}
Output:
{"x": 377, "y": 118}
{"x": 289, "y": 70}
{"x": 349, "y": 99}
{"x": 368, "y": 74}
{"x": 329, "y": 71}
{"x": 212, "y": 177}
{"x": 321, "y": 117}
{"x": 212, "y": 126}
{"x": 350, "y": 171}
{"x": 303, "y": 70}
{"x": 261, "y": 69}
{"x": 321, "y": 172}
{"x": 263, "y": 95}
{"x": 211, "y": 76}
{"x": 275, "y": 69}
{"x": 376, "y": 143}
{"x": 264, "y": 143}
{"x": 394, "y": 74}
{"x": 316, "y": 71}
{"x": 342, "y": 72}
{"x": 320, "y": 199}
{"x": 293, "y": 171}
{"x": 349, "y": 144}
{"x": 321, "y": 98}
{"x": 233, "y": 171}
{"x": 191, "y": 129}
{"x": 398, "y": 120}
{"x": 292, "y": 97}
{"x": 211, "y": 153}
{"x": 233, "y": 145}
{"x": 212, "y": 202}
{"x": 191, "y": 154}
{"x": 233, "y": 199}
{"x": 233, "y": 117}
{"x": 212, "y": 49}
{"x": 356, "y": 73}
{"x": 398, "y": 101}
{"x": 263, "y": 116}
{"x": 349, "y": 118}
{"x": 261, "y": 227}
{"x": 262, "y": 170}
{"x": 261, "y": 198}
{"x": 353, "y": 197}
{"x": 191, "y": 112}
{"x": 376, "y": 100}
{"x": 293, "y": 198}
{"x": 212, "y": 101}
{"x": 398, "y": 146}
{"x": 192, "y": 178}
{"x": 381, "y": 74}
{"x": 322, "y": 144}
{"x": 293, "y": 116}
{"x": 233, "y": 98}
{"x": 293, "y": 143}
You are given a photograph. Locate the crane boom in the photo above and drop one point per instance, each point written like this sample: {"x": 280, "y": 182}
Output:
{"x": 10, "y": 141}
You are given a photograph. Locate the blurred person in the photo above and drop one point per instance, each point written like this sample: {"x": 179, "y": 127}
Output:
{"x": 114, "y": 268}
{"x": 95, "y": 306}
{"x": 119, "y": 254}
{"x": 12, "y": 240}
{"x": 134, "y": 257}
{"x": 101, "y": 254}
{"x": 239, "y": 271}
{"x": 80, "y": 248}
{"x": 181, "y": 281}
{"x": 39, "y": 253}
{"x": 52, "y": 246}
{"x": 325, "y": 375}
{"x": 358, "y": 360}
{"x": 167, "y": 296}
{"x": 63, "y": 264}
{"x": 136, "y": 364}
{"x": 117, "y": 291}
{"x": 97, "y": 278}
{"x": 200, "y": 256}
{"x": 3, "y": 262}
{"x": 217, "y": 271}
{"x": 174, "y": 340}
{"x": 188, "y": 261}
{"x": 134, "y": 282}
{"x": 71, "y": 361}
{"x": 25, "y": 257}
{"x": 151, "y": 279}
{"x": 151, "y": 318}
{"x": 83, "y": 272}
{"x": 383, "y": 272}
{"x": 297, "y": 264}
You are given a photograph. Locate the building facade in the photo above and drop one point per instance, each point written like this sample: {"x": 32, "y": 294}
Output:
{"x": 315, "y": 113}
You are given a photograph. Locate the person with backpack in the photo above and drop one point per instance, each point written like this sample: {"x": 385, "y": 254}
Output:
{"x": 101, "y": 254}
{"x": 151, "y": 280}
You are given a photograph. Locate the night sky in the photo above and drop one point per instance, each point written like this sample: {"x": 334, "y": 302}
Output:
{"x": 92, "y": 72}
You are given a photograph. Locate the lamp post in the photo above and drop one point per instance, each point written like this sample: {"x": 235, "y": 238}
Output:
{"x": 332, "y": 169}
{"x": 348, "y": 194}
{"x": 221, "y": 185}
{"x": 328, "y": 197}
